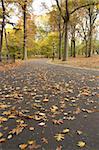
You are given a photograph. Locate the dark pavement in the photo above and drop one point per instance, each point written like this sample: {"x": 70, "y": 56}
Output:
{"x": 49, "y": 107}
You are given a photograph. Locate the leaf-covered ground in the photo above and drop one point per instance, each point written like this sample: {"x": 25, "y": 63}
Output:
{"x": 90, "y": 62}
{"x": 48, "y": 107}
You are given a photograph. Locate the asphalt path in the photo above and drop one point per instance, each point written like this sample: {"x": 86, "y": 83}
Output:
{"x": 49, "y": 107}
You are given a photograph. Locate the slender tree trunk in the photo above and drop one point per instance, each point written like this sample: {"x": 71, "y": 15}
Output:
{"x": 86, "y": 48}
{"x": 65, "y": 52}
{"x": 90, "y": 34}
{"x": 60, "y": 38}
{"x": 25, "y": 32}
{"x": 74, "y": 48}
{"x": 74, "y": 42}
{"x": 0, "y": 46}
{"x": 6, "y": 40}
{"x": 71, "y": 54}
{"x": 90, "y": 45}
{"x": 2, "y": 28}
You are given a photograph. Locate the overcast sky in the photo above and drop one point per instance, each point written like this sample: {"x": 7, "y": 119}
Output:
{"x": 38, "y": 7}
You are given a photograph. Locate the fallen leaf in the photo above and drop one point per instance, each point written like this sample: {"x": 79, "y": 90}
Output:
{"x": 66, "y": 131}
{"x": 1, "y": 134}
{"x": 31, "y": 129}
{"x": 2, "y": 140}
{"x": 59, "y": 137}
{"x": 42, "y": 124}
{"x": 79, "y": 132}
{"x": 78, "y": 111}
{"x": 34, "y": 145}
{"x": 9, "y": 136}
{"x": 23, "y": 146}
{"x": 3, "y": 119}
{"x": 59, "y": 148}
{"x": 45, "y": 100}
{"x": 31, "y": 142}
{"x": 44, "y": 140}
{"x": 81, "y": 144}
{"x": 54, "y": 109}
{"x": 58, "y": 122}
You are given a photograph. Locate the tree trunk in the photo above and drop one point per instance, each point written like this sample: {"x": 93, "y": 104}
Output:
{"x": 6, "y": 40}
{"x": 2, "y": 28}
{"x": 60, "y": 38}
{"x": 90, "y": 34}
{"x": 0, "y": 47}
{"x": 66, "y": 21}
{"x": 74, "y": 48}
{"x": 86, "y": 48}
{"x": 71, "y": 54}
{"x": 25, "y": 32}
{"x": 65, "y": 52}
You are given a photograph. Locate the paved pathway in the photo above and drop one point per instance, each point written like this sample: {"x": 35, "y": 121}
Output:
{"x": 49, "y": 107}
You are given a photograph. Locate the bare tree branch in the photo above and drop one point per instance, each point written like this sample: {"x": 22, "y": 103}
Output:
{"x": 83, "y": 6}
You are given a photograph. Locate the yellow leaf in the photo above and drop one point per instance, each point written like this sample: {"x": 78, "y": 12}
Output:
{"x": 54, "y": 109}
{"x": 31, "y": 142}
{"x": 59, "y": 137}
{"x": 2, "y": 119}
{"x": 12, "y": 116}
{"x": 66, "y": 131}
{"x": 81, "y": 144}
{"x": 1, "y": 134}
{"x": 45, "y": 100}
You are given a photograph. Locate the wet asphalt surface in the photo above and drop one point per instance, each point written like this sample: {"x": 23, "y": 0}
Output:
{"x": 75, "y": 93}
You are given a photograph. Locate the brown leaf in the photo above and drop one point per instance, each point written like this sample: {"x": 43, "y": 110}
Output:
{"x": 78, "y": 111}
{"x": 58, "y": 122}
{"x": 34, "y": 145}
{"x": 23, "y": 146}
{"x": 59, "y": 148}
{"x": 2, "y": 140}
{"x": 44, "y": 140}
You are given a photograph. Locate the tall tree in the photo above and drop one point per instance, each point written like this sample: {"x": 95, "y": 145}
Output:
{"x": 2, "y": 28}
{"x": 25, "y": 29}
{"x": 65, "y": 16}
{"x": 92, "y": 14}
{"x": 23, "y": 4}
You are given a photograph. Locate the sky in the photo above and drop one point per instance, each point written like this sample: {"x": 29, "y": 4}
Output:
{"x": 37, "y": 6}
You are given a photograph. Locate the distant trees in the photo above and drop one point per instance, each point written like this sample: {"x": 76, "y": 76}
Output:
{"x": 68, "y": 24}
{"x": 23, "y": 7}
{"x": 66, "y": 13}
{"x": 24, "y": 4}
{"x": 86, "y": 27}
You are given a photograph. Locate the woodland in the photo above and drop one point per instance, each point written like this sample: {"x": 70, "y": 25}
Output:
{"x": 49, "y": 75}
{"x": 68, "y": 29}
